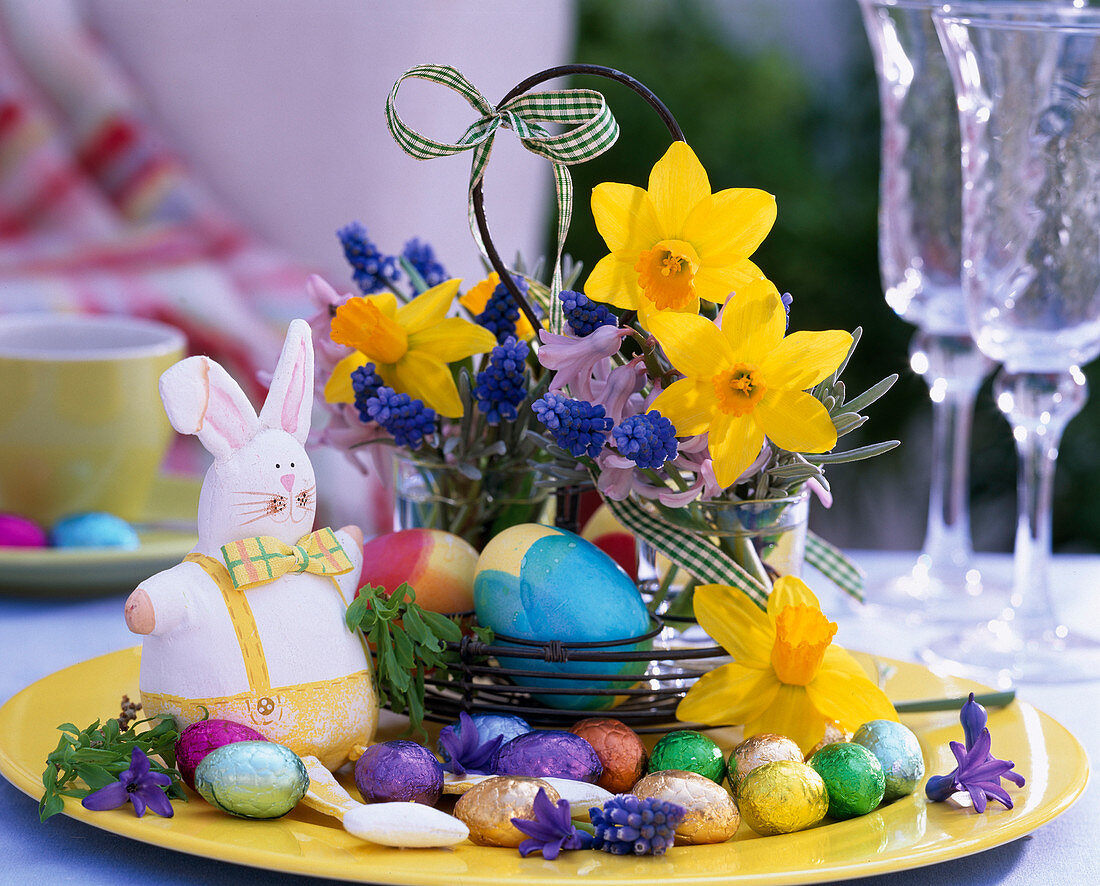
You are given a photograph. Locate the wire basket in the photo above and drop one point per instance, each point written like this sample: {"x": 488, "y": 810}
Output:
{"x": 651, "y": 690}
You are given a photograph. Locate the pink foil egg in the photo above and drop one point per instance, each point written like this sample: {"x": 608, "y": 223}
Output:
{"x": 199, "y": 739}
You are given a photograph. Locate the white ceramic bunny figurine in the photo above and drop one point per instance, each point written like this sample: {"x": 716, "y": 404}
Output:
{"x": 274, "y": 655}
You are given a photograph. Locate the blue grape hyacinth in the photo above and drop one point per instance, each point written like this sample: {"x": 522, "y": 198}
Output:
{"x": 365, "y": 382}
{"x": 648, "y": 440}
{"x": 584, "y": 315}
{"x": 408, "y": 420}
{"x": 640, "y": 825}
{"x": 502, "y": 385}
{"x": 501, "y": 311}
{"x": 422, "y": 257}
{"x": 371, "y": 270}
{"x": 577, "y": 426}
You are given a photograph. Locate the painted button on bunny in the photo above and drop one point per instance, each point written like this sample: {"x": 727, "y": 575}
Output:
{"x": 251, "y": 624}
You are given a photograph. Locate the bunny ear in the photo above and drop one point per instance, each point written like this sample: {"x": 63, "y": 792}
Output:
{"x": 202, "y": 399}
{"x": 289, "y": 403}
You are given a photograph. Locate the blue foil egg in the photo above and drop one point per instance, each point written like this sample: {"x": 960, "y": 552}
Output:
{"x": 489, "y": 726}
{"x": 898, "y": 752}
{"x": 542, "y": 583}
{"x": 549, "y": 752}
{"x": 94, "y": 529}
{"x": 252, "y": 779}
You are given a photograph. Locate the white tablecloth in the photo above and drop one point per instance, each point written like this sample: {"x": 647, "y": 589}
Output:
{"x": 39, "y": 637}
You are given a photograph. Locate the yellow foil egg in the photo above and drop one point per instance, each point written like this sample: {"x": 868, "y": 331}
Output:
{"x": 782, "y": 797}
{"x": 711, "y": 815}
{"x": 765, "y": 747}
{"x": 488, "y": 808}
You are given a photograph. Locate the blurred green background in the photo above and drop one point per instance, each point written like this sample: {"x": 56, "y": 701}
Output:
{"x": 783, "y": 97}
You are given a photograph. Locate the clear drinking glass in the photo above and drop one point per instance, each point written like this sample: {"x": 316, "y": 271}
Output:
{"x": 1027, "y": 79}
{"x": 920, "y": 235}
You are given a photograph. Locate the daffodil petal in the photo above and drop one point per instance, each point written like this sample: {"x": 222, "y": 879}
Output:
{"x": 429, "y": 307}
{"x": 795, "y": 421}
{"x": 386, "y": 302}
{"x": 753, "y": 321}
{"x": 647, "y": 310}
{"x": 625, "y": 217}
{"x": 677, "y": 183}
{"x": 729, "y": 694}
{"x": 615, "y": 282}
{"x": 689, "y": 404}
{"x": 734, "y": 443}
{"x": 338, "y": 388}
{"x": 728, "y": 226}
{"x": 693, "y": 344}
{"x": 850, "y": 699}
{"x": 453, "y": 338}
{"x": 792, "y": 713}
{"x": 803, "y": 359}
{"x": 790, "y": 590}
{"x": 427, "y": 378}
{"x": 736, "y": 623}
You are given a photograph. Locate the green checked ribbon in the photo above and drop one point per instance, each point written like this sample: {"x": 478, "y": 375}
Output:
{"x": 590, "y": 129}
{"x": 699, "y": 557}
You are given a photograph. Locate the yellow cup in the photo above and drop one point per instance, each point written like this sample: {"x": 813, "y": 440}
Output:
{"x": 82, "y": 427}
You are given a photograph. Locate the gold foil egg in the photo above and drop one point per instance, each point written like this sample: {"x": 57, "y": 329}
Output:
{"x": 488, "y": 808}
{"x": 833, "y": 734}
{"x": 765, "y": 747}
{"x": 621, "y": 752}
{"x": 711, "y": 816}
{"x": 782, "y": 797}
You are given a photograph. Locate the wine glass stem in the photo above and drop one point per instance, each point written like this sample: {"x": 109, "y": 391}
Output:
{"x": 953, "y": 369}
{"x": 1038, "y": 405}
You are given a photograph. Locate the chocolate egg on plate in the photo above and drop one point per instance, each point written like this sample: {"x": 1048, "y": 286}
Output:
{"x": 204, "y": 736}
{"x": 621, "y": 752}
{"x": 252, "y": 779}
{"x": 710, "y": 816}
{"x": 399, "y": 771}
{"x": 690, "y": 750}
{"x": 898, "y": 752}
{"x": 548, "y": 752}
{"x": 764, "y": 747}
{"x": 488, "y": 808}
{"x": 782, "y": 797}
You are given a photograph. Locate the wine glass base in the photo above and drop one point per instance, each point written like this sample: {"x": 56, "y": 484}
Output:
{"x": 1001, "y": 654}
{"x": 937, "y": 596}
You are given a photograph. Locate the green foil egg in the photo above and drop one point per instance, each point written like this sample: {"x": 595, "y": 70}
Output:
{"x": 853, "y": 777}
{"x": 898, "y": 752}
{"x": 782, "y": 797}
{"x": 691, "y": 751}
{"x": 252, "y": 779}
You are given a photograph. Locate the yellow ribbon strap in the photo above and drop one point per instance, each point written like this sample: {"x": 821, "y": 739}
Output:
{"x": 263, "y": 558}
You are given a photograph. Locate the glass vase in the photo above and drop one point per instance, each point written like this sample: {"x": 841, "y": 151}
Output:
{"x": 465, "y": 501}
{"x": 766, "y": 537}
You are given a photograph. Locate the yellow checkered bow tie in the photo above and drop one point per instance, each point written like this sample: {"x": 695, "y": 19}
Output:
{"x": 263, "y": 558}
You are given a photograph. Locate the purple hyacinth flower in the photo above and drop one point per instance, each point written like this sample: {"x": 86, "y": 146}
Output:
{"x": 978, "y": 773}
{"x": 138, "y": 785}
{"x": 551, "y": 830}
{"x": 467, "y": 751}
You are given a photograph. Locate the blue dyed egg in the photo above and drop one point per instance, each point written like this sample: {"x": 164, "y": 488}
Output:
{"x": 542, "y": 583}
{"x": 94, "y": 529}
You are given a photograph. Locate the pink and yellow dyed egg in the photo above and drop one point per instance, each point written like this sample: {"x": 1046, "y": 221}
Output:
{"x": 438, "y": 565}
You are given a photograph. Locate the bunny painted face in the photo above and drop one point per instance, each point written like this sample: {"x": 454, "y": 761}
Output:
{"x": 261, "y": 482}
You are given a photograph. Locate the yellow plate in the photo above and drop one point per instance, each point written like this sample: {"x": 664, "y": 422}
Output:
{"x": 166, "y": 531}
{"x": 908, "y": 833}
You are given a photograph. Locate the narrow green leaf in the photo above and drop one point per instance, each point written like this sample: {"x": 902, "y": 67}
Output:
{"x": 872, "y": 394}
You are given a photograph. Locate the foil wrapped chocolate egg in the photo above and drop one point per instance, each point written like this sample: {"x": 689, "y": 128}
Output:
{"x": 710, "y": 816}
{"x": 489, "y": 726}
{"x": 693, "y": 751}
{"x": 764, "y": 747}
{"x": 852, "y": 776}
{"x": 782, "y": 797}
{"x": 94, "y": 529}
{"x": 399, "y": 771}
{"x": 548, "y": 752}
{"x": 621, "y": 752}
{"x": 488, "y": 808}
{"x": 199, "y": 739}
{"x": 252, "y": 779}
{"x": 19, "y": 532}
{"x": 898, "y": 753}
{"x": 833, "y": 732}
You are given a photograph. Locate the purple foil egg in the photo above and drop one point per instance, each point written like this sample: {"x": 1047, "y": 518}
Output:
{"x": 399, "y": 771}
{"x": 549, "y": 753}
{"x": 199, "y": 739}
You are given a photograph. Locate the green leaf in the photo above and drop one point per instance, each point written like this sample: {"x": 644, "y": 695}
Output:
{"x": 873, "y": 393}
{"x": 857, "y": 454}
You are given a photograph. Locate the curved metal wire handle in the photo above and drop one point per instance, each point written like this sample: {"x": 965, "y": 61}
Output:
{"x": 520, "y": 88}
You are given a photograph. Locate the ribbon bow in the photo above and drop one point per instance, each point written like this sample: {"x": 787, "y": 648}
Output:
{"x": 263, "y": 558}
{"x": 591, "y": 130}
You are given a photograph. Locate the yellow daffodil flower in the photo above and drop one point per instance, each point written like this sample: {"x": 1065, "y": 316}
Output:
{"x": 785, "y": 676}
{"x": 410, "y": 346}
{"x": 676, "y": 242}
{"x": 476, "y": 298}
{"x": 745, "y": 381}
